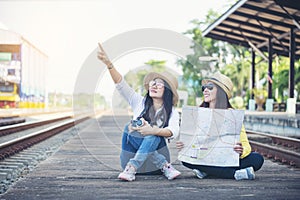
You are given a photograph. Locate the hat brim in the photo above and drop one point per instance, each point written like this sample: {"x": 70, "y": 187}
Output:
{"x": 205, "y": 81}
{"x": 153, "y": 75}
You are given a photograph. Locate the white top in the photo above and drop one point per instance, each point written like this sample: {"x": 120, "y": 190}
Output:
{"x": 136, "y": 101}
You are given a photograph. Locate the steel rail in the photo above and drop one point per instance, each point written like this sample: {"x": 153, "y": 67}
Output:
{"x": 16, "y": 145}
{"x": 276, "y": 149}
{"x": 20, "y": 127}
{"x": 285, "y": 156}
{"x": 277, "y": 139}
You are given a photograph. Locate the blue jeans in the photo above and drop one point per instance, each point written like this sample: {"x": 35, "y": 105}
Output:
{"x": 146, "y": 153}
{"x": 254, "y": 160}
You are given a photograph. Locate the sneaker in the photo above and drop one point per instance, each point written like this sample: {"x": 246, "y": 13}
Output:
{"x": 199, "y": 174}
{"x": 247, "y": 173}
{"x": 170, "y": 172}
{"x": 128, "y": 174}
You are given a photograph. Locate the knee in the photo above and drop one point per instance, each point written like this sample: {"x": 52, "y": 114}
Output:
{"x": 152, "y": 138}
{"x": 259, "y": 161}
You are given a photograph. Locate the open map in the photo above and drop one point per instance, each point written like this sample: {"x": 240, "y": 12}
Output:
{"x": 209, "y": 136}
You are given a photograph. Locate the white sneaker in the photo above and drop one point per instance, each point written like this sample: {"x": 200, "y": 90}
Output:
{"x": 247, "y": 173}
{"x": 128, "y": 174}
{"x": 170, "y": 172}
{"x": 199, "y": 174}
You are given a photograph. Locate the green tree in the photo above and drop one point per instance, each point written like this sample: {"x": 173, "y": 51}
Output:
{"x": 235, "y": 62}
{"x": 238, "y": 69}
{"x": 280, "y": 77}
{"x": 195, "y": 68}
{"x": 281, "y": 72}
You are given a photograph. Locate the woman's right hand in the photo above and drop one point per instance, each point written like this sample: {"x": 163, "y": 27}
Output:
{"x": 179, "y": 145}
{"x": 115, "y": 75}
{"x": 103, "y": 56}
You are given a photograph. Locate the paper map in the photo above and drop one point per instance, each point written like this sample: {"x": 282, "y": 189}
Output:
{"x": 209, "y": 136}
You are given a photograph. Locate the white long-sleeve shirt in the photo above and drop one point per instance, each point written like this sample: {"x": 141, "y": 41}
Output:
{"x": 136, "y": 101}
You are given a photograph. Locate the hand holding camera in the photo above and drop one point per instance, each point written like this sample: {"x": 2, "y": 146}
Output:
{"x": 143, "y": 127}
{"x": 137, "y": 122}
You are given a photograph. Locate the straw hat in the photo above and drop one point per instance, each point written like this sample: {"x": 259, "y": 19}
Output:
{"x": 166, "y": 76}
{"x": 221, "y": 80}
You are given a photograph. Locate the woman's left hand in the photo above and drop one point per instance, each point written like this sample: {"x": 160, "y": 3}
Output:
{"x": 238, "y": 148}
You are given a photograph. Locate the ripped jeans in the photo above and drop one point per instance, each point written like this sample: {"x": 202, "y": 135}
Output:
{"x": 147, "y": 154}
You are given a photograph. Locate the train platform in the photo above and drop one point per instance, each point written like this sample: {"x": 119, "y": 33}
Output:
{"x": 87, "y": 166}
{"x": 277, "y": 123}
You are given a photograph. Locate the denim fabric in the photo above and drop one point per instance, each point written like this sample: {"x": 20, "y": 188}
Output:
{"x": 254, "y": 160}
{"x": 145, "y": 153}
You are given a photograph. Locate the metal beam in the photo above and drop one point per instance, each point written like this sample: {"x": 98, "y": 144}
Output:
{"x": 252, "y": 25}
{"x": 289, "y": 3}
{"x": 263, "y": 19}
{"x": 258, "y": 51}
{"x": 270, "y": 73}
{"x": 268, "y": 11}
{"x": 253, "y": 72}
{"x": 292, "y": 64}
{"x": 273, "y": 39}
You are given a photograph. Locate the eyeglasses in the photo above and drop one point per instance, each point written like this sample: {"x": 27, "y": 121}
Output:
{"x": 159, "y": 85}
{"x": 209, "y": 86}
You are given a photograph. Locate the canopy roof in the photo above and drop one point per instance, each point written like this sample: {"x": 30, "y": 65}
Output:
{"x": 250, "y": 23}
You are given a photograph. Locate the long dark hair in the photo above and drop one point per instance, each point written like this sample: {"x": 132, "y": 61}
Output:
{"x": 222, "y": 101}
{"x": 167, "y": 101}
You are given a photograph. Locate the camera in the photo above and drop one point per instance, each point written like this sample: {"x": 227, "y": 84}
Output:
{"x": 137, "y": 123}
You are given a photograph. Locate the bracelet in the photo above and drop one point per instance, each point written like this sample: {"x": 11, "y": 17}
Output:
{"x": 110, "y": 66}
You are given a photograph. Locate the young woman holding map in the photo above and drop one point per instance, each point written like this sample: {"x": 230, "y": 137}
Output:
{"x": 217, "y": 92}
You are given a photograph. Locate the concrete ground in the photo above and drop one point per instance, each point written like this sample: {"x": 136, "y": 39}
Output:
{"x": 87, "y": 166}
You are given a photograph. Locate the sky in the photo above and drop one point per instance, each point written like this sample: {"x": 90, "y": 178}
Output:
{"x": 68, "y": 31}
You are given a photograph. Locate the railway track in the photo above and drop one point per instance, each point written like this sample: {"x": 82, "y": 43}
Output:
{"x": 5, "y": 130}
{"x": 23, "y": 152}
{"x": 16, "y": 145}
{"x": 282, "y": 149}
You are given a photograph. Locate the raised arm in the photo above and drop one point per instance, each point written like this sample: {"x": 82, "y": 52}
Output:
{"x": 115, "y": 75}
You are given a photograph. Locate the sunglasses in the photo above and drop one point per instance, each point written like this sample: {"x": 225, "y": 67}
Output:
{"x": 159, "y": 85}
{"x": 209, "y": 86}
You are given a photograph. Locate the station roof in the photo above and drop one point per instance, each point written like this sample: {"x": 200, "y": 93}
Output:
{"x": 250, "y": 23}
